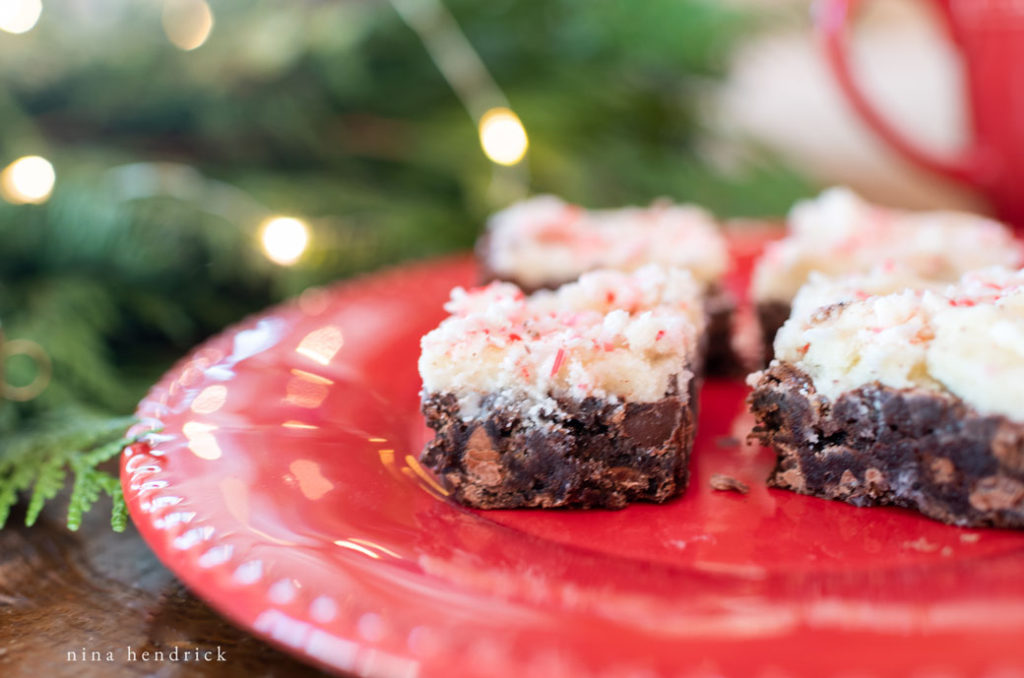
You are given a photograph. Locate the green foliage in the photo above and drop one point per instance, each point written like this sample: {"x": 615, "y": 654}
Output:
{"x": 38, "y": 463}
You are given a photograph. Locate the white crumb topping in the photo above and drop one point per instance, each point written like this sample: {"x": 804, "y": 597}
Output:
{"x": 966, "y": 338}
{"x": 545, "y": 240}
{"x": 611, "y": 335}
{"x": 839, "y": 233}
{"x": 821, "y": 291}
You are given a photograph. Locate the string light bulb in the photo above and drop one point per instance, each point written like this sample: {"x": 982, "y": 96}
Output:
{"x": 284, "y": 239}
{"x": 503, "y": 136}
{"x": 19, "y": 16}
{"x": 28, "y": 180}
{"x": 187, "y": 23}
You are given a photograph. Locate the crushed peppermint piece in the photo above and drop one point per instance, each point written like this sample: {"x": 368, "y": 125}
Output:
{"x": 559, "y": 357}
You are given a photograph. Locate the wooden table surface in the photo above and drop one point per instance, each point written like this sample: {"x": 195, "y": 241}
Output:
{"x": 96, "y": 591}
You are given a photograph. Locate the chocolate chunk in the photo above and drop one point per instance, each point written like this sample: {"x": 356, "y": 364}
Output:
{"x": 650, "y": 424}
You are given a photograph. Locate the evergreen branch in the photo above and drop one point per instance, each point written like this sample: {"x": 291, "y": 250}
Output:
{"x": 118, "y": 509}
{"x": 42, "y": 460}
{"x": 12, "y": 481}
{"x": 49, "y": 481}
{"x": 84, "y": 493}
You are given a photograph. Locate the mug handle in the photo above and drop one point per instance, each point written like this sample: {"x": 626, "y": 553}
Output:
{"x": 832, "y": 18}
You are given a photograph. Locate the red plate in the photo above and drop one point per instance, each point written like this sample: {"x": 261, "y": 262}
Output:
{"x": 283, "y": 488}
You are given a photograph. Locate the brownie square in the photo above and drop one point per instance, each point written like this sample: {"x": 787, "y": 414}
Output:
{"x": 581, "y": 397}
{"x": 913, "y": 398}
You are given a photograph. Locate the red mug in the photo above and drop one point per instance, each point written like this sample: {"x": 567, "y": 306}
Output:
{"x": 990, "y": 37}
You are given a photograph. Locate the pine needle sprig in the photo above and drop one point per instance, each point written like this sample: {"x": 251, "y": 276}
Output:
{"x": 39, "y": 464}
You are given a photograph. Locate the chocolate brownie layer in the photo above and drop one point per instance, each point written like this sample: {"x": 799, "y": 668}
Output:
{"x": 771, "y": 316}
{"x": 881, "y": 446}
{"x": 721, "y": 357}
{"x": 591, "y": 454}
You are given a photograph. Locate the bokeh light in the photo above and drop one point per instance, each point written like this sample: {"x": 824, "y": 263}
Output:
{"x": 19, "y": 16}
{"x": 28, "y": 180}
{"x": 187, "y": 23}
{"x": 503, "y": 136}
{"x": 284, "y": 239}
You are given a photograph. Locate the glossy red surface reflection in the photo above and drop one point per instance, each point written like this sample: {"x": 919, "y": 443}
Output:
{"x": 283, "y": 489}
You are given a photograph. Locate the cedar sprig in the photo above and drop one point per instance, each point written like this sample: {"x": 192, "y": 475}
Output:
{"x": 39, "y": 464}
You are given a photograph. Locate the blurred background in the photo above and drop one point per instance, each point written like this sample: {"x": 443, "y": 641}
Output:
{"x": 170, "y": 166}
